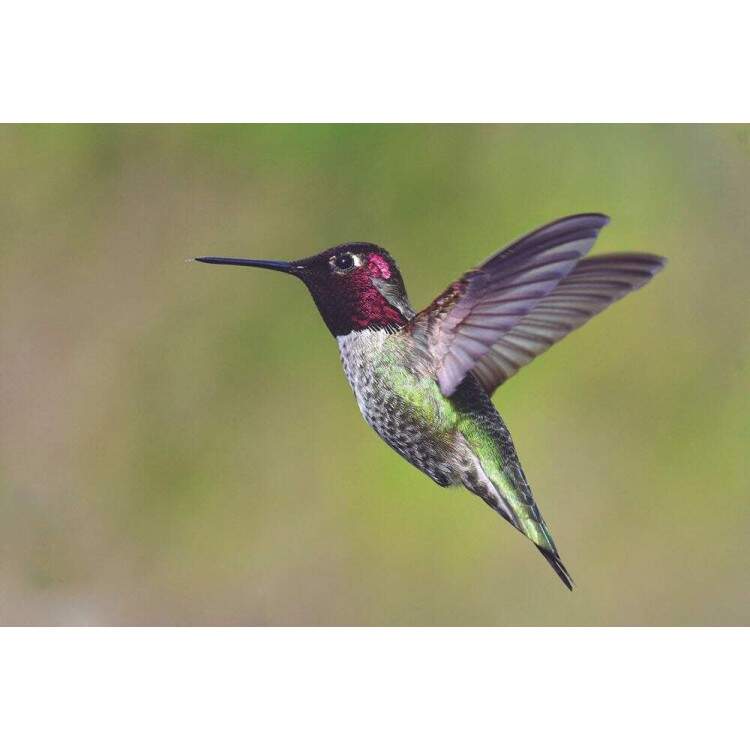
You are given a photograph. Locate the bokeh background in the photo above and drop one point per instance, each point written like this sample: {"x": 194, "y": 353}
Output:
{"x": 180, "y": 446}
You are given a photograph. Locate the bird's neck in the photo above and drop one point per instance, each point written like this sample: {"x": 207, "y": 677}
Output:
{"x": 358, "y": 310}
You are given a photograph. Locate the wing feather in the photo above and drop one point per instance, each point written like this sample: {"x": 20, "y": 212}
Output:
{"x": 467, "y": 320}
{"x": 593, "y": 285}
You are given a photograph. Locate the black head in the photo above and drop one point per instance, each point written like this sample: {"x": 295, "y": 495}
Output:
{"x": 356, "y": 286}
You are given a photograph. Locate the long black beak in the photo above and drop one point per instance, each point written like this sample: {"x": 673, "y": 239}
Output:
{"x": 274, "y": 265}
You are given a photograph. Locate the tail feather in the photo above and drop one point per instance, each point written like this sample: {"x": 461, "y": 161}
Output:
{"x": 557, "y": 566}
{"x": 497, "y": 477}
{"x": 534, "y": 529}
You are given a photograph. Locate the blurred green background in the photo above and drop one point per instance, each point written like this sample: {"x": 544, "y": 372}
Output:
{"x": 180, "y": 445}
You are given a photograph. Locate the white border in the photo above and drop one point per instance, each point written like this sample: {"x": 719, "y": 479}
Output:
{"x": 387, "y": 62}
{"x": 374, "y": 688}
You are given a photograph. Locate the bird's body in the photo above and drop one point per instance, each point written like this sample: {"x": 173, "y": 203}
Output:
{"x": 423, "y": 381}
{"x": 456, "y": 440}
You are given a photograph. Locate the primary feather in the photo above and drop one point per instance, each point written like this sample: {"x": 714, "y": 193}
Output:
{"x": 592, "y": 286}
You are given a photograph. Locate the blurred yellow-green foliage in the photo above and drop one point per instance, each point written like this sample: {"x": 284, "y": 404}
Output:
{"x": 180, "y": 446}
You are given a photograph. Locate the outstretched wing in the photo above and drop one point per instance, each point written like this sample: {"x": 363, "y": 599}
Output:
{"x": 593, "y": 285}
{"x": 461, "y": 325}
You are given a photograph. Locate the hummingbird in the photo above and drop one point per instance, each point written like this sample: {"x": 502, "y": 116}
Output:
{"x": 424, "y": 380}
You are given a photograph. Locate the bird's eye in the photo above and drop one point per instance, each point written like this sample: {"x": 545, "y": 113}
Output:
{"x": 343, "y": 262}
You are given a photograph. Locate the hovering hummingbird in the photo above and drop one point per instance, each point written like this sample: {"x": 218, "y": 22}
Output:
{"x": 423, "y": 380}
